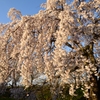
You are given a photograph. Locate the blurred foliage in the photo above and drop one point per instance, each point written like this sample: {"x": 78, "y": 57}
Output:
{"x": 43, "y": 93}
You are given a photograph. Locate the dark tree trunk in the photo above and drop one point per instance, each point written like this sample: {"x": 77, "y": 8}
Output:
{"x": 98, "y": 85}
{"x": 94, "y": 90}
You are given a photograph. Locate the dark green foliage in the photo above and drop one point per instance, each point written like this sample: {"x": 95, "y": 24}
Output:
{"x": 78, "y": 92}
{"x": 43, "y": 93}
{"x": 79, "y": 95}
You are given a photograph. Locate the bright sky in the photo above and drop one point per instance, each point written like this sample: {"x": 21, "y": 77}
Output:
{"x": 27, "y": 7}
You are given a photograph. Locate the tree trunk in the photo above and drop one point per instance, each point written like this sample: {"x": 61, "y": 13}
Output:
{"x": 93, "y": 95}
{"x": 98, "y": 86}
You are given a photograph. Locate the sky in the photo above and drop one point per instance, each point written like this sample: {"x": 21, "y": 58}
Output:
{"x": 27, "y": 7}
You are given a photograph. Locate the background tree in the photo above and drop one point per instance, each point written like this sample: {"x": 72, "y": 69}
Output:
{"x": 62, "y": 42}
